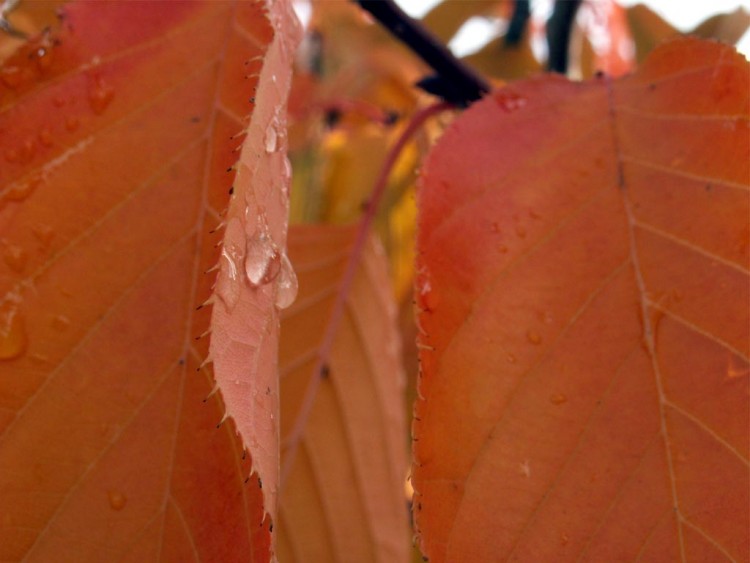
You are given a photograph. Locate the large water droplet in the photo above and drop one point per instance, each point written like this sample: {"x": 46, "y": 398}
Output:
{"x": 12, "y": 331}
{"x": 262, "y": 256}
{"x": 287, "y": 286}
{"x": 117, "y": 500}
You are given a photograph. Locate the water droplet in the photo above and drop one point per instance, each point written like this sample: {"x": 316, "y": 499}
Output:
{"x": 11, "y": 155}
{"x": 15, "y": 257}
{"x": 44, "y": 234}
{"x": 11, "y": 76}
{"x": 272, "y": 136}
{"x": 27, "y": 151}
{"x": 100, "y": 95}
{"x": 287, "y": 285}
{"x": 502, "y": 249}
{"x": 511, "y": 359}
{"x": 521, "y": 231}
{"x": 495, "y": 227}
{"x": 20, "y": 191}
{"x": 534, "y": 215}
{"x": 45, "y": 137}
{"x": 232, "y": 254}
{"x": 558, "y": 399}
{"x": 60, "y": 322}
{"x": 287, "y": 172}
{"x": 72, "y": 123}
{"x": 44, "y": 58}
{"x": 534, "y": 337}
{"x": 12, "y": 331}
{"x": 509, "y": 101}
{"x": 262, "y": 256}
{"x": 117, "y": 500}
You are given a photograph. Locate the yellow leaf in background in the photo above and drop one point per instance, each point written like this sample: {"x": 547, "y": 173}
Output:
{"x": 343, "y": 499}
{"x": 447, "y": 17}
{"x": 729, "y": 27}
{"x": 648, "y": 29}
{"x": 499, "y": 60}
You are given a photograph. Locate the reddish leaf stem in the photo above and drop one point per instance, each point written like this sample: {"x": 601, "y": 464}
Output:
{"x": 324, "y": 351}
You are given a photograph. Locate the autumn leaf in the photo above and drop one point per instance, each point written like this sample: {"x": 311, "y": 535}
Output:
{"x": 344, "y": 465}
{"x": 583, "y": 281}
{"x": 115, "y": 148}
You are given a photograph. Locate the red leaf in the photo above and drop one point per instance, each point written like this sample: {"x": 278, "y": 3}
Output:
{"x": 584, "y": 286}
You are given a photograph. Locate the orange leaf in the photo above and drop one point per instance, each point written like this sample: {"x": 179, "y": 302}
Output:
{"x": 343, "y": 499}
{"x": 114, "y": 148}
{"x": 584, "y": 292}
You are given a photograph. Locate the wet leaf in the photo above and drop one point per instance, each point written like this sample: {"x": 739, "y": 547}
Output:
{"x": 583, "y": 281}
{"x": 114, "y": 149}
{"x": 343, "y": 499}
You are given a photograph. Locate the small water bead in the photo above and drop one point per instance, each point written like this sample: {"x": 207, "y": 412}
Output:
{"x": 72, "y": 123}
{"x": 11, "y": 76}
{"x": 60, "y": 323}
{"x": 534, "y": 337}
{"x": 558, "y": 399}
{"x": 117, "y": 500}
{"x": 14, "y": 257}
{"x": 44, "y": 234}
{"x": 20, "y": 191}
{"x": 45, "y": 137}
{"x": 13, "y": 337}
{"x": 509, "y": 101}
{"x": 100, "y": 95}
{"x": 287, "y": 286}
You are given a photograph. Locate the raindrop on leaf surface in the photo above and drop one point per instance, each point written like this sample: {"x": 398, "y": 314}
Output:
{"x": 287, "y": 285}
{"x": 12, "y": 331}
{"x": 117, "y": 500}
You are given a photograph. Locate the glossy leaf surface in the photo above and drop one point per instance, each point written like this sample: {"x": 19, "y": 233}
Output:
{"x": 583, "y": 280}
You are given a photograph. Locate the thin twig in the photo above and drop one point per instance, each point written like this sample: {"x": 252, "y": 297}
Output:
{"x": 324, "y": 351}
{"x": 459, "y": 84}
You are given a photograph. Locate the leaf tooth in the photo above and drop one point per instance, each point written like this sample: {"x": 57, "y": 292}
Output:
{"x": 206, "y": 333}
{"x": 221, "y": 225}
{"x": 212, "y": 392}
{"x": 211, "y": 300}
{"x": 205, "y": 362}
{"x": 223, "y": 419}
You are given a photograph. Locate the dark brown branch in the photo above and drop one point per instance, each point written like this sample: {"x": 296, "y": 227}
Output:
{"x": 518, "y": 21}
{"x": 455, "y": 82}
{"x": 559, "y": 28}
